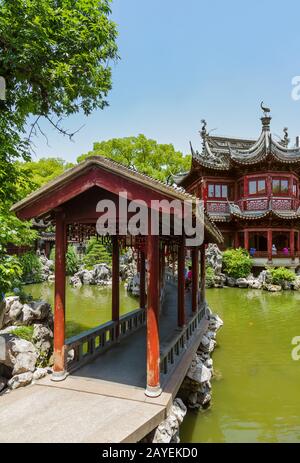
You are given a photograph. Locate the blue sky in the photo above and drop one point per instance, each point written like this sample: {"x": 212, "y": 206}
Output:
{"x": 182, "y": 61}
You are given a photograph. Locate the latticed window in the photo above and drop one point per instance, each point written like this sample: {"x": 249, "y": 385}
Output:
{"x": 257, "y": 186}
{"x": 219, "y": 191}
{"x": 280, "y": 186}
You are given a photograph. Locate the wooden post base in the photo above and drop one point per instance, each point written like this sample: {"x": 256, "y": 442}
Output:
{"x": 153, "y": 391}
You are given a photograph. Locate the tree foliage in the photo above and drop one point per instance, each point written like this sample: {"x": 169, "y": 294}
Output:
{"x": 55, "y": 58}
{"x": 41, "y": 172}
{"x": 237, "y": 263}
{"x": 72, "y": 260}
{"x": 31, "y": 267}
{"x": 10, "y": 274}
{"x": 96, "y": 253}
{"x": 145, "y": 155}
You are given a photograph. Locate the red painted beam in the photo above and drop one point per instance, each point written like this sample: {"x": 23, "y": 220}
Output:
{"x": 203, "y": 273}
{"x": 142, "y": 280}
{"x": 195, "y": 278}
{"x": 181, "y": 283}
{"x": 116, "y": 282}
{"x": 270, "y": 243}
{"x": 153, "y": 352}
{"x": 59, "y": 298}
{"x": 93, "y": 176}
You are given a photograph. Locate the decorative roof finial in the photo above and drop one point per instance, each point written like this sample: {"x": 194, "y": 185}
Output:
{"x": 266, "y": 119}
{"x": 265, "y": 109}
{"x": 203, "y": 130}
{"x": 286, "y": 139}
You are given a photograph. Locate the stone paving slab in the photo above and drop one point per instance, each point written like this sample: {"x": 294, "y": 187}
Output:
{"x": 47, "y": 414}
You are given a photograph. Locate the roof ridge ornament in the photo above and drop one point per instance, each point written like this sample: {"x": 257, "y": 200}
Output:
{"x": 266, "y": 119}
{"x": 203, "y": 132}
{"x": 286, "y": 139}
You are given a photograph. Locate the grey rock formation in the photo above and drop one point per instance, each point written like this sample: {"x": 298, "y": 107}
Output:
{"x": 39, "y": 373}
{"x": 214, "y": 258}
{"x": 242, "y": 282}
{"x": 133, "y": 285}
{"x": 231, "y": 282}
{"x": 100, "y": 275}
{"x": 198, "y": 371}
{"x": 168, "y": 431}
{"x": 42, "y": 338}
{"x": 20, "y": 380}
{"x": 21, "y": 355}
{"x": 3, "y": 383}
{"x": 272, "y": 288}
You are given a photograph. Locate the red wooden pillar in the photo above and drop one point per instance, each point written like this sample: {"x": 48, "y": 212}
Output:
{"x": 203, "y": 271}
{"x": 292, "y": 244}
{"x": 246, "y": 239}
{"x": 181, "y": 282}
{"x": 59, "y": 372}
{"x": 153, "y": 353}
{"x": 195, "y": 278}
{"x": 116, "y": 282}
{"x": 142, "y": 280}
{"x": 270, "y": 244}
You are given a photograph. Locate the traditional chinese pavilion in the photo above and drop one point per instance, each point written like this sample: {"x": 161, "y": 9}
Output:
{"x": 70, "y": 202}
{"x": 251, "y": 190}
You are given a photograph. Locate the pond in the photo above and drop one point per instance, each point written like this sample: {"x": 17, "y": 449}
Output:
{"x": 86, "y": 307}
{"x": 256, "y": 394}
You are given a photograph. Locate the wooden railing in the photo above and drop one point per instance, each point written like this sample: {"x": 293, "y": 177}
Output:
{"x": 172, "y": 350}
{"x": 276, "y": 203}
{"x": 83, "y": 347}
{"x": 279, "y": 254}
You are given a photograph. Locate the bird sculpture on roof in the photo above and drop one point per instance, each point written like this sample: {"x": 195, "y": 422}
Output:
{"x": 265, "y": 109}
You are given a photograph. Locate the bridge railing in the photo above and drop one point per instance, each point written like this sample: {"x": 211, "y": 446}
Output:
{"x": 83, "y": 347}
{"x": 172, "y": 350}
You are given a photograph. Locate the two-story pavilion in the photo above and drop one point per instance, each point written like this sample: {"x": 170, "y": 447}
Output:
{"x": 251, "y": 190}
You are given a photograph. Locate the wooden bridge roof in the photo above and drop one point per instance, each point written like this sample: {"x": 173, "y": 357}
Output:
{"x": 97, "y": 171}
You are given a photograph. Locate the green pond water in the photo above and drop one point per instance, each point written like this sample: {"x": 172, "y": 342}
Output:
{"x": 256, "y": 391}
{"x": 86, "y": 307}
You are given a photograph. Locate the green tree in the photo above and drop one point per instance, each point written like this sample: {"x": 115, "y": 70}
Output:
{"x": 237, "y": 263}
{"x": 72, "y": 260}
{"x": 10, "y": 274}
{"x": 147, "y": 156}
{"x": 55, "y": 58}
{"x": 31, "y": 267}
{"x": 42, "y": 171}
{"x": 96, "y": 253}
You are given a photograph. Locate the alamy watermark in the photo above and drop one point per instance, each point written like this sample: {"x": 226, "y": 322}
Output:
{"x": 163, "y": 217}
{"x": 2, "y": 88}
{"x": 296, "y": 88}
{"x": 296, "y": 349}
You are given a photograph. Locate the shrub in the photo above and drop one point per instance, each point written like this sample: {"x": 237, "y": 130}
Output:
{"x": 31, "y": 267}
{"x": 72, "y": 260}
{"x": 10, "y": 274}
{"x": 209, "y": 276}
{"x": 237, "y": 263}
{"x": 96, "y": 253}
{"x": 280, "y": 275}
